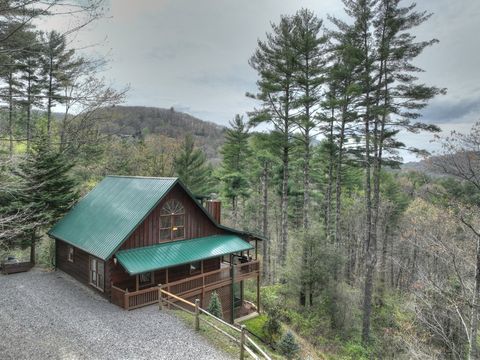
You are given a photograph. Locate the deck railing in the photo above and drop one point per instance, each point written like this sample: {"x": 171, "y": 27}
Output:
{"x": 193, "y": 285}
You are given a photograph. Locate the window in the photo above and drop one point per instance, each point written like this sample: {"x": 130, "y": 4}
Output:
{"x": 70, "y": 253}
{"x": 145, "y": 279}
{"x": 195, "y": 267}
{"x": 172, "y": 221}
{"x": 96, "y": 273}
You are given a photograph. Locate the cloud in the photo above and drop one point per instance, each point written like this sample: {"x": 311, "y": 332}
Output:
{"x": 448, "y": 110}
{"x": 195, "y": 53}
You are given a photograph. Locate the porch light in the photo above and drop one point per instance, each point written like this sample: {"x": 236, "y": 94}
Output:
{"x": 175, "y": 228}
{"x": 115, "y": 260}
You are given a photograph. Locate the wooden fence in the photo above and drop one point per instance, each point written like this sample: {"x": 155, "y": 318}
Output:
{"x": 240, "y": 337}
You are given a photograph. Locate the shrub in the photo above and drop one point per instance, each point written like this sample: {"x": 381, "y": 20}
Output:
{"x": 215, "y": 306}
{"x": 272, "y": 326}
{"x": 288, "y": 346}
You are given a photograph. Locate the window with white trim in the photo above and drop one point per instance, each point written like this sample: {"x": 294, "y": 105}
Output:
{"x": 172, "y": 221}
{"x": 70, "y": 253}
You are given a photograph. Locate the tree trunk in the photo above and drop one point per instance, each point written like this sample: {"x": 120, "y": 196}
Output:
{"x": 10, "y": 113}
{"x": 306, "y": 209}
{"x": 234, "y": 211}
{"x": 329, "y": 183}
{"x": 475, "y": 303}
{"x": 29, "y": 111}
{"x": 284, "y": 206}
{"x": 50, "y": 100}
{"x": 32, "y": 247}
{"x": 284, "y": 209}
{"x": 266, "y": 243}
{"x": 306, "y": 182}
{"x": 383, "y": 264}
{"x": 338, "y": 180}
{"x": 370, "y": 238}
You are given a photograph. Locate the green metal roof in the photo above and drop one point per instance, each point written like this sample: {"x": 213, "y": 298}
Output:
{"x": 160, "y": 256}
{"x": 107, "y": 215}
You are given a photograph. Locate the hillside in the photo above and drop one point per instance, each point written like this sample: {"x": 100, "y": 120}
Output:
{"x": 139, "y": 120}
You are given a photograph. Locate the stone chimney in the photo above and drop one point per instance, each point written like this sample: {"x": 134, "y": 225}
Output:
{"x": 214, "y": 207}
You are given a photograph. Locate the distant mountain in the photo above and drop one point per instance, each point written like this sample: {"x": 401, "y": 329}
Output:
{"x": 139, "y": 121}
{"x": 425, "y": 166}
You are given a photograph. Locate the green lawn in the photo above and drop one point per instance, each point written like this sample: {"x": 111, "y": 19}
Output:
{"x": 255, "y": 326}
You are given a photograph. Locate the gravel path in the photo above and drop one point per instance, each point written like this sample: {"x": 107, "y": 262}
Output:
{"x": 48, "y": 315}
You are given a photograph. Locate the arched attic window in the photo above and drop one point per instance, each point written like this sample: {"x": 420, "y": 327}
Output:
{"x": 172, "y": 221}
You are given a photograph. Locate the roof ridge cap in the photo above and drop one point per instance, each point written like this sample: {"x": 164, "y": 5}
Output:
{"x": 144, "y": 177}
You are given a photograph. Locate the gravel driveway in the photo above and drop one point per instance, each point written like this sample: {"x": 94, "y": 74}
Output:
{"x": 48, "y": 315}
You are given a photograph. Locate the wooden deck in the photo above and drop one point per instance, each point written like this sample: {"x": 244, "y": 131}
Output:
{"x": 194, "y": 286}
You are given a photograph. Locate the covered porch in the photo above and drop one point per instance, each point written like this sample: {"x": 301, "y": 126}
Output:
{"x": 189, "y": 269}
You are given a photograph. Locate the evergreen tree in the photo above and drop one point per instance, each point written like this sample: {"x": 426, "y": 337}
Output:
{"x": 236, "y": 153}
{"x": 275, "y": 62}
{"x": 58, "y": 65}
{"x": 49, "y": 190}
{"x": 192, "y": 168}
{"x": 31, "y": 80}
{"x": 9, "y": 73}
{"x": 261, "y": 167}
{"x": 288, "y": 346}
{"x": 308, "y": 44}
{"x": 215, "y": 306}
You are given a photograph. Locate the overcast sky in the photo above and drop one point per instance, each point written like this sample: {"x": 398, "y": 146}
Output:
{"x": 193, "y": 55}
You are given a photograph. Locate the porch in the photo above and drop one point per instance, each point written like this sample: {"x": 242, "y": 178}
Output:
{"x": 196, "y": 286}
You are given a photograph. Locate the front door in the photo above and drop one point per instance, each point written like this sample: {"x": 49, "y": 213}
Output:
{"x": 96, "y": 273}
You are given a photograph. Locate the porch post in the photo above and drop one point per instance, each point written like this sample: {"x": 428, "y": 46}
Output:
{"x": 232, "y": 305}
{"x": 136, "y": 282}
{"x": 256, "y": 249}
{"x": 258, "y": 292}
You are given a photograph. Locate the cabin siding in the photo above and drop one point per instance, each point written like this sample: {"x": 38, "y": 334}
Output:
{"x": 197, "y": 224}
{"x": 79, "y": 268}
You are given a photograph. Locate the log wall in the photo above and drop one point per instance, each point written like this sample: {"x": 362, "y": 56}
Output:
{"x": 79, "y": 268}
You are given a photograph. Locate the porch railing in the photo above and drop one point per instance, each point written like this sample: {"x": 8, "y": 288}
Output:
{"x": 135, "y": 299}
{"x": 193, "y": 285}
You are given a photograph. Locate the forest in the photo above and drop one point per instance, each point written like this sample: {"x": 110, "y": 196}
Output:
{"x": 364, "y": 259}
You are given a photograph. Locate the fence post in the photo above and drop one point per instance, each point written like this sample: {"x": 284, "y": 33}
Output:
{"x": 160, "y": 302}
{"x": 197, "y": 314}
{"x": 242, "y": 342}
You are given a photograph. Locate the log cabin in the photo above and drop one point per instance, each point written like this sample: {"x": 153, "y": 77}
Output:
{"x": 130, "y": 235}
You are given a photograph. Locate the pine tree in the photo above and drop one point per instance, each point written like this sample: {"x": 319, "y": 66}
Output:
{"x": 275, "y": 62}
{"x": 215, "y": 306}
{"x": 9, "y": 73}
{"x": 233, "y": 174}
{"x": 58, "y": 64}
{"x": 49, "y": 191}
{"x": 288, "y": 346}
{"x": 31, "y": 80}
{"x": 192, "y": 168}
{"x": 308, "y": 44}
{"x": 261, "y": 167}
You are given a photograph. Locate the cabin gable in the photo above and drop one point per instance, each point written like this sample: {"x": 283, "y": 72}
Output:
{"x": 196, "y": 222}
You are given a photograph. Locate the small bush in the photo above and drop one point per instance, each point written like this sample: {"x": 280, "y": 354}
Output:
{"x": 272, "y": 327}
{"x": 288, "y": 346}
{"x": 215, "y": 306}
